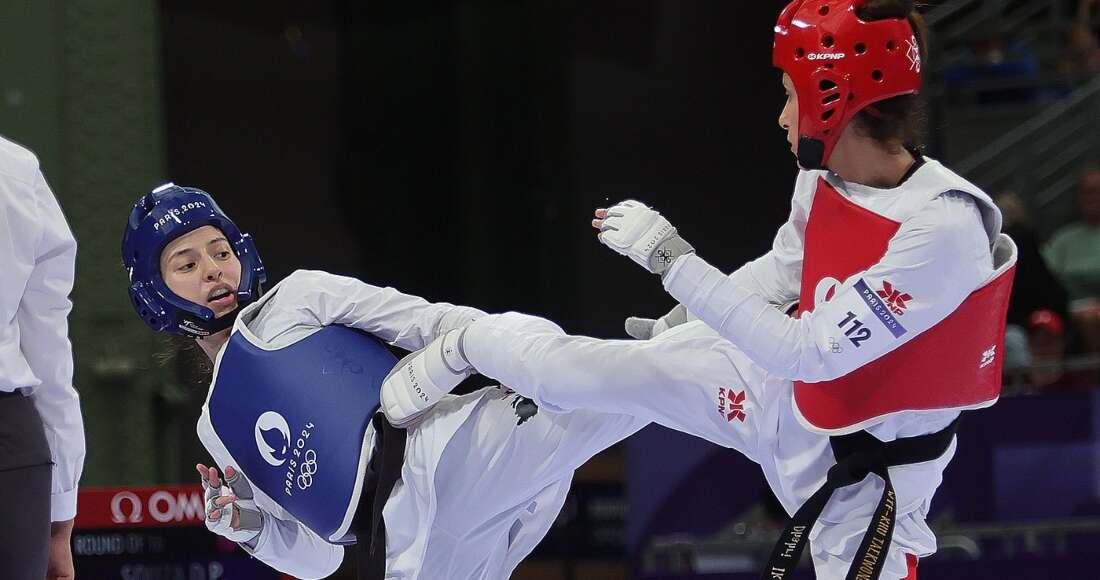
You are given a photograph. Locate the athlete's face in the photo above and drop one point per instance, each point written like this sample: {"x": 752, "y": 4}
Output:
{"x": 788, "y": 119}
{"x": 201, "y": 267}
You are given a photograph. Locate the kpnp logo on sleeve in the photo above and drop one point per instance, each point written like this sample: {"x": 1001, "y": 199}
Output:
{"x": 895, "y": 299}
{"x": 731, "y": 405}
{"x": 879, "y": 307}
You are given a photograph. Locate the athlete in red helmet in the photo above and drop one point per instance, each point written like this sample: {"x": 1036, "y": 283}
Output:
{"x": 839, "y": 65}
{"x": 902, "y": 279}
{"x": 898, "y": 265}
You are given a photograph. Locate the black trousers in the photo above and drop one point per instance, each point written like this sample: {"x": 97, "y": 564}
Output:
{"x": 25, "y": 472}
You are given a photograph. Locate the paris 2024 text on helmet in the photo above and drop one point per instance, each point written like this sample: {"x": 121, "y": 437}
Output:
{"x": 162, "y": 215}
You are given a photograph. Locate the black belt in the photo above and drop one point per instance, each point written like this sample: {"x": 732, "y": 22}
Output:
{"x": 383, "y": 471}
{"x": 6, "y": 394}
{"x": 858, "y": 455}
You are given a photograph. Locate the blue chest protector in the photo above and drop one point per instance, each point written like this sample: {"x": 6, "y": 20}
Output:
{"x": 294, "y": 420}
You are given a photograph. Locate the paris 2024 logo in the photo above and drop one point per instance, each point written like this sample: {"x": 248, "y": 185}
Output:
{"x": 272, "y": 438}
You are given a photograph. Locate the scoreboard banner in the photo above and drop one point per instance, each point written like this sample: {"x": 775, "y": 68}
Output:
{"x": 140, "y": 507}
{"x": 155, "y": 533}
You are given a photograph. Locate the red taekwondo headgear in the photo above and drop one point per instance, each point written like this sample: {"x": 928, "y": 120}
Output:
{"x": 839, "y": 65}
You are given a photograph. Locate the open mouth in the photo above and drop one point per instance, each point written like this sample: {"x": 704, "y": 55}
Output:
{"x": 221, "y": 296}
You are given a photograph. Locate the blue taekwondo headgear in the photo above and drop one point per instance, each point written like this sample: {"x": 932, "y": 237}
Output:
{"x": 159, "y": 217}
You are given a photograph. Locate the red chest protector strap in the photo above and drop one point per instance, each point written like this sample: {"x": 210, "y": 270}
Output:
{"x": 956, "y": 364}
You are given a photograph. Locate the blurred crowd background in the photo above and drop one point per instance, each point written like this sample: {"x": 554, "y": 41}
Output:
{"x": 455, "y": 150}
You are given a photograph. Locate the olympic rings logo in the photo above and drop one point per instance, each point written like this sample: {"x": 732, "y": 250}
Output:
{"x": 308, "y": 470}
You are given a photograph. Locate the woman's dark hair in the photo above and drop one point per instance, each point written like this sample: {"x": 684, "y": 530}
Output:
{"x": 902, "y": 119}
{"x": 184, "y": 356}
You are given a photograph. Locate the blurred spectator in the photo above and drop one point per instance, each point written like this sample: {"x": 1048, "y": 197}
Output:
{"x": 1036, "y": 286}
{"x": 1081, "y": 58}
{"x": 1036, "y": 289}
{"x": 1074, "y": 255}
{"x": 1008, "y": 67}
{"x": 1046, "y": 340}
{"x": 1017, "y": 351}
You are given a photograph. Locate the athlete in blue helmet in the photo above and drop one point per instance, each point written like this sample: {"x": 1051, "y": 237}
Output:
{"x": 152, "y": 228}
{"x": 294, "y": 405}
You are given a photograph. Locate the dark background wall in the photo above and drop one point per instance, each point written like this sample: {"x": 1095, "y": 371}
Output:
{"x": 457, "y": 151}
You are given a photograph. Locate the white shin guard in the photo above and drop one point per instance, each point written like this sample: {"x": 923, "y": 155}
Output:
{"x": 422, "y": 378}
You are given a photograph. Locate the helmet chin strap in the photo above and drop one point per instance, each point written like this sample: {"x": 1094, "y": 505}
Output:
{"x": 198, "y": 328}
{"x": 224, "y": 322}
{"x": 810, "y": 153}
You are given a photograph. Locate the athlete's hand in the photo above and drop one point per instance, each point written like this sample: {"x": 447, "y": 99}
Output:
{"x": 420, "y": 379}
{"x": 231, "y": 511}
{"x": 641, "y": 234}
{"x": 61, "y": 553}
{"x": 647, "y": 328}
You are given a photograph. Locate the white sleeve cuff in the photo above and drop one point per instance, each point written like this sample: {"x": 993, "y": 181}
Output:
{"x": 672, "y": 278}
{"x": 63, "y": 506}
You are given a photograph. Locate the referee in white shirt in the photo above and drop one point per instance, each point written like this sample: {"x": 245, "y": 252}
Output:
{"x": 41, "y": 430}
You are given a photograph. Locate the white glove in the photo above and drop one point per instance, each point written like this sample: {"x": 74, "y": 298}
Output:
{"x": 643, "y": 235}
{"x": 422, "y": 378}
{"x": 231, "y": 511}
{"x": 647, "y": 328}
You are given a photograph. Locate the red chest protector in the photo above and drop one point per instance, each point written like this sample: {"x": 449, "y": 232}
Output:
{"x": 956, "y": 364}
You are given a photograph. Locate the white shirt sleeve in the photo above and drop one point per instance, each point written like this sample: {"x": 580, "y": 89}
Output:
{"x": 776, "y": 276}
{"x": 399, "y": 319}
{"x": 44, "y": 340}
{"x": 291, "y": 548}
{"x": 938, "y": 257}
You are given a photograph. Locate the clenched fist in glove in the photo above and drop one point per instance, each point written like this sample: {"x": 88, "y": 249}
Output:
{"x": 634, "y": 230}
{"x": 231, "y": 511}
